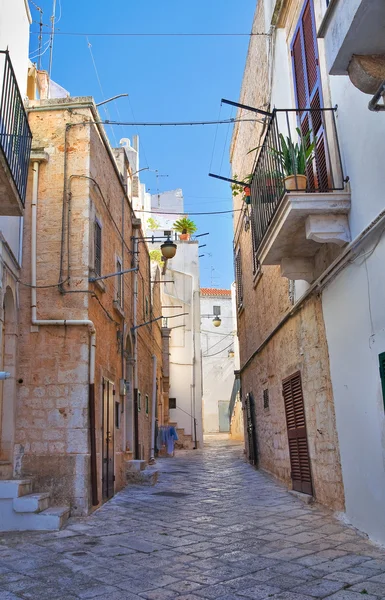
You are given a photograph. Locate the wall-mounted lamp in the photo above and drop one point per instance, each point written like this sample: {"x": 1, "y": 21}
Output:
{"x": 168, "y": 249}
{"x": 230, "y": 353}
{"x": 217, "y": 321}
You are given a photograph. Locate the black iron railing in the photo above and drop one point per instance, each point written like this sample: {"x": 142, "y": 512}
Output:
{"x": 299, "y": 152}
{"x": 15, "y": 134}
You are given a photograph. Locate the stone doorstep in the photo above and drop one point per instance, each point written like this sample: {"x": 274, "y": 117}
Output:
{"x": 135, "y": 465}
{"x": 147, "y": 477}
{"x": 14, "y": 488}
{"x": 33, "y": 503}
{"x": 22, "y": 510}
{"x": 305, "y": 498}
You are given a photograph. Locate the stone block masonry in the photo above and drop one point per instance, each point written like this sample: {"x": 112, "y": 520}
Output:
{"x": 79, "y": 186}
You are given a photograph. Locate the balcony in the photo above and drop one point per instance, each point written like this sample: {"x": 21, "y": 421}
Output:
{"x": 352, "y": 28}
{"x": 15, "y": 142}
{"x": 293, "y": 216}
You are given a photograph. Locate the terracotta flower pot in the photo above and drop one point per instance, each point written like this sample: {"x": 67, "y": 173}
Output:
{"x": 295, "y": 182}
{"x": 184, "y": 236}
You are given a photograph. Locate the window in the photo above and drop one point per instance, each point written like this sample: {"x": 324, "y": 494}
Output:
{"x": 308, "y": 90}
{"x": 382, "y": 374}
{"x": 216, "y": 310}
{"x": 119, "y": 281}
{"x": 172, "y": 402}
{"x": 139, "y": 402}
{"x": 117, "y": 415}
{"x": 146, "y": 404}
{"x": 238, "y": 278}
{"x": 98, "y": 248}
{"x": 265, "y": 398}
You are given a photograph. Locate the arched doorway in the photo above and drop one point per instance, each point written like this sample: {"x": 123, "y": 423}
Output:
{"x": 8, "y": 387}
{"x": 129, "y": 408}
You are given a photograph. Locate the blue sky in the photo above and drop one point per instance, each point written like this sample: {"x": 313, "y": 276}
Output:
{"x": 168, "y": 79}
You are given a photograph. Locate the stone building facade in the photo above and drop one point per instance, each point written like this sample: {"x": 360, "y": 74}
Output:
{"x": 79, "y": 418}
{"x": 278, "y": 339}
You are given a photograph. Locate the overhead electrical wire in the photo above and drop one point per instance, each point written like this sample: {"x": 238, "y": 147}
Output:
{"x": 216, "y": 353}
{"x": 148, "y": 34}
{"x": 216, "y": 212}
{"x": 174, "y": 124}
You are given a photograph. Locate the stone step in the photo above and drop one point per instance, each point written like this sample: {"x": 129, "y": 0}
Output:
{"x": 31, "y": 503}
{"x": 54, "y": 517}
{"x": 147, "y": 477}
{"x": 14, "y": 488}
{"x": 135, "y": 465}
{"x": 6, "y": 469}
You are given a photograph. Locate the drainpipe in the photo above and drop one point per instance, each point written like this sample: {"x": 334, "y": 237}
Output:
{"x": 64, "y": 322}
{"x": 153, "y": 409}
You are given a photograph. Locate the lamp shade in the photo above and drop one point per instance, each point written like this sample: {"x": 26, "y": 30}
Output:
{"x": 168, "y": 249}
{"x": 230, "y": 353}
{"x": 216, "y": 321}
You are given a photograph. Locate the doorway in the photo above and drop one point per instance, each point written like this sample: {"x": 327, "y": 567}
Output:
{"x": 296, "y": 431}
{"x": 252, "y": 447}
{"x": 108, "y": 430}
{"x": 8, "y": 386}
{"x": 223, "y": 416}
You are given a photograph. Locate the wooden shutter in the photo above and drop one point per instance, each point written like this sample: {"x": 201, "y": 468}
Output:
{"x": 238, "y": 277}
{"x": 382, "y": 374}
{"x": 256, "y": 263}
{"x": 98, "y": 249}
{"x": 308, "y": 92}
{"x": 296, "y": 431}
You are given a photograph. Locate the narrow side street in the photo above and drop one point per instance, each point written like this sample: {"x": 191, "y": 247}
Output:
{"x": 213, "y": 527}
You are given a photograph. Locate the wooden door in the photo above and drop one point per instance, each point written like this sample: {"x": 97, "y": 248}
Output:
{"x": 296, "y": 431}
{"x": 308, "y": 91}
{"x": 251, "y": 430}
{"x": 108, "y": 430}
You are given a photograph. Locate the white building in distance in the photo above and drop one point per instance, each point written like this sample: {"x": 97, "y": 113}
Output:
{"x": 217, "y": 358}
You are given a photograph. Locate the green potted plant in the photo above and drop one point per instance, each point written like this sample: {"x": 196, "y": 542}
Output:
{"x": 293, "y": 159}
{"x": 185, "y": 227}
{"x": 241, "y": 188}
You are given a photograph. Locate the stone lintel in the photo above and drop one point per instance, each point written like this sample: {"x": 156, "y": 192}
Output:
{"x": 328, "y": 229}
{"x": 298, "y": 268}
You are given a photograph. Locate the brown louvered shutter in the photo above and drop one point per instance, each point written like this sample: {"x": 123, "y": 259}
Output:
{"x": 308, "y": 91}
{"x": 256, "y": 263}
{"x": 296, "y": 431}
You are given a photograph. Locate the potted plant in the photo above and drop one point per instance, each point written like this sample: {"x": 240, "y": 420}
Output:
{"x": 293, "y": 159}
{"x": 241, "y": 188}
{"x": 185, "y": 227}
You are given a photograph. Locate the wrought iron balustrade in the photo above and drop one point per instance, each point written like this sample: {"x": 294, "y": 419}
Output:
{"x": 15, "y": 133}
{"x": 287, "y": 131}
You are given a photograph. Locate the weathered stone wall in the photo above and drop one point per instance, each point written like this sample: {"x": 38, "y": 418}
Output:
{"x": 300, "y": 344}
{"x": 52, "y": 405}
{"x": 52, "y": 436}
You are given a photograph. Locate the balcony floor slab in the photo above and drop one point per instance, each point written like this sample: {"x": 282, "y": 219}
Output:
{"x": 286, "y": 235}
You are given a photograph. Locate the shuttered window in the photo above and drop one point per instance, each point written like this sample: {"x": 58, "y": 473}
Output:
{"x": 238, "y": 278}
{"x": 98, "y": 249}
{"x": 382, "y": 374}
{"x": 296, "y": 431}
{"x": 308, "y": 92}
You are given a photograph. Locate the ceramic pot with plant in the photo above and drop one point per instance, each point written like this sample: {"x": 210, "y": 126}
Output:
{"x": 185, "y": 227}
{"x": 293, "y": 159}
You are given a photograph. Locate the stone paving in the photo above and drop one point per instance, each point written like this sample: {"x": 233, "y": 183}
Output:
{"x": 213, "y": 527}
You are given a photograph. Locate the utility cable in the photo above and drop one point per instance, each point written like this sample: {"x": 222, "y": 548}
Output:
{"x": 145, "y": 34}
{"x": 217, "y": 212}
{"x": 216, "y": 353}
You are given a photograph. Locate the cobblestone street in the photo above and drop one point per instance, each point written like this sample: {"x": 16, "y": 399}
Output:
{"x": 213, "y": 527}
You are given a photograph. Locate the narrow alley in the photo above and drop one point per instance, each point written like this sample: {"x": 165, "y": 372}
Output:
{"x": 213, "y": 527}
